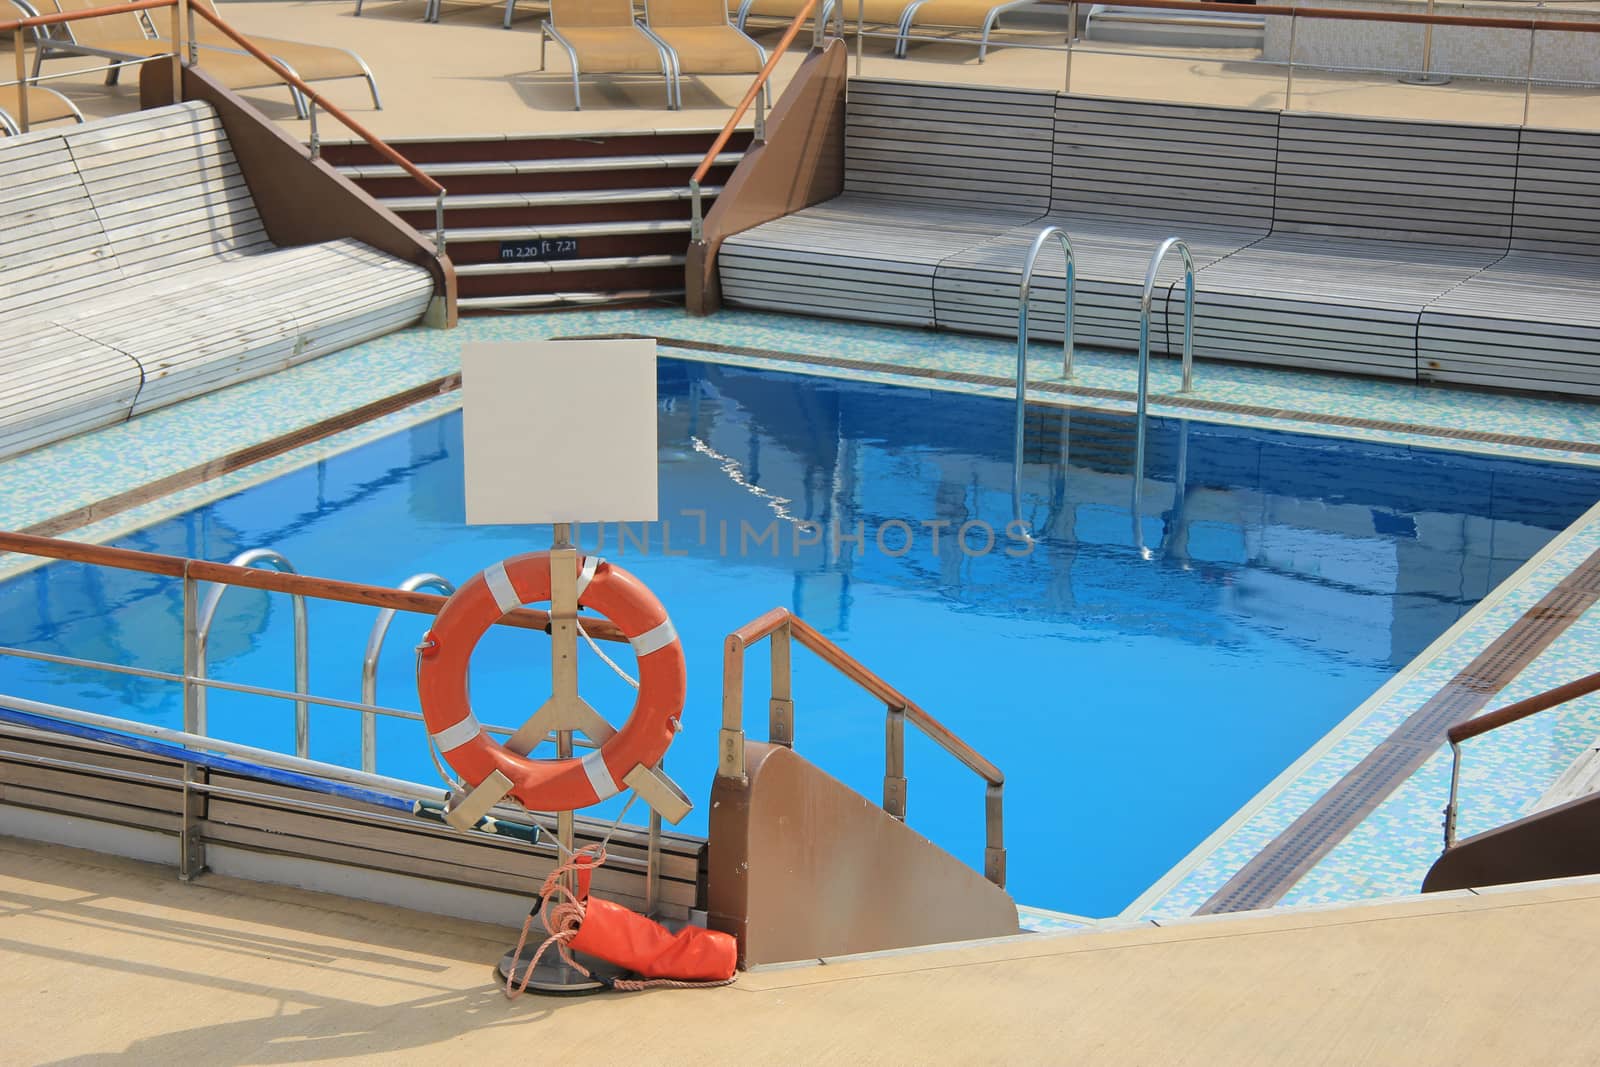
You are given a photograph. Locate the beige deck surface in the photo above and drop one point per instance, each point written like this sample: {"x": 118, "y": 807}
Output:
{"x": 109, "y": 961}
{"x": 467, "y": 76}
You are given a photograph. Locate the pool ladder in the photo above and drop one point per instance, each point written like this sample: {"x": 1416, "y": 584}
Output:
{"x": 1039, "y": 242}
{"x": 1142, "y": 417}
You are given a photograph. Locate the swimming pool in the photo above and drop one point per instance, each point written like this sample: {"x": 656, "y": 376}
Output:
{"x": 1134, "y": 704}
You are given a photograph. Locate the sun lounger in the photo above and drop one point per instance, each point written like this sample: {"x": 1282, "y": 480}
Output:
{"x": 740, "y": 10}
{"x": 973, "y": 15}
{"x": 312, "y": 62}
{"x": 701, "y": 40}
{"x": 44, "y": 105}
{"x": 122, "y": 38}
{"x": 601, "y": 37}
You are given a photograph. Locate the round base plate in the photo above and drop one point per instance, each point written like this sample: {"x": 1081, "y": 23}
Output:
{"x": 1424, "y": 79}
{"x": 553, "y": 977}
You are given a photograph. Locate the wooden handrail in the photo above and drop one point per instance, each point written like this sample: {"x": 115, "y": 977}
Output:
{"x": 72, "y": 16}
{"x": 852, "y": 668}
{"x": 782, "y": 627}
{"x": 288, "y": 76}
{"x": 1511, "y": 713}
{"x": 377, "y": 143}
{"x": 750, "y": 95}
{"x": 376, "y": 596}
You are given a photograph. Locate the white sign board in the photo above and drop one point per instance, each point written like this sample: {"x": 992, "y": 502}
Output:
{"x": 560, "y": 431}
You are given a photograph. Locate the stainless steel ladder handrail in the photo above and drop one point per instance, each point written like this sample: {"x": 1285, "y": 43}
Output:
{"x": 1023, "y": 287}
{"x": 263, "y": 557}
{"x": 1144, "y": 362}
{"x": 369, "y": 662}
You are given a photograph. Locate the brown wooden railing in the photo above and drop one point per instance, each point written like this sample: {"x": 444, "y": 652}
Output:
{"x": 782, "y": 628}
{"x": 1511, "y": 713}
{"x": 182, "y": 36}
{"x": 200, "y": 570}
{"x": 757, "y": 95}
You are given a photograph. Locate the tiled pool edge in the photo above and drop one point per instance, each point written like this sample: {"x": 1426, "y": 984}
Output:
{"x": 1521, "y": 583}
{"x": 436, "y": 354}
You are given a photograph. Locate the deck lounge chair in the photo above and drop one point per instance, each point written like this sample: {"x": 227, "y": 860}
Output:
{"x": 975, "y": 16}
{"x": 971, "y": 15}
{"x": 312, "y": 62}
{"x": 44, "y": 105}
{"x": 701, "y": 40}
{"x": 740, "y": 10}
{"x": 121, "y": 38}
{"x": 601, "y": 37}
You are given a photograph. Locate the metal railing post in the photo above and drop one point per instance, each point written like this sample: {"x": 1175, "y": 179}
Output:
{"x": 191, "y": 846}
{"x": 1455, "y": 787}
{"x": 1527, "y": 85}
{"x": 894, "y": 763}
{"x": 861, "y": 29}
{"x": 696, "y": 220}
{"x": 20, "y": 51}
{"x": 438, "y": 224}
{"x": 1288, "y": 81}
{"x": 994, "y": 851}
{"x": 1427, "y": 77}
{"x": 780, "y": 718}
{"x": 1072, "y": 33}
{"x": 194, "y": 46}
{"x": 316, "y": 138}
{"x": 178, "y": 9}
{"x": 759, "y": 134}
{"x": 369, "y": 663}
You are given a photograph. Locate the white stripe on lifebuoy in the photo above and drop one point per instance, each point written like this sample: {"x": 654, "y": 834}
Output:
{"x": 457, "y": 735}
{"x": 654, "y": 640}
{"x": 585, "y": 576}
{"x": 499, "y": 583}
{"x": 594, "y": 765}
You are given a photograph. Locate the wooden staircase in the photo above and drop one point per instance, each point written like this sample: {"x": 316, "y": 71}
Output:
{"x": 542, "y": 222}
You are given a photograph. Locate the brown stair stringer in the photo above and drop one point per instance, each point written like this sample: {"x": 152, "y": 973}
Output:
{"x": 802, "y": 867}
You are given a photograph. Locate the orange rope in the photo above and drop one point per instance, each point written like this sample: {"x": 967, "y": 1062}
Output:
{"x": 562, "y": 912}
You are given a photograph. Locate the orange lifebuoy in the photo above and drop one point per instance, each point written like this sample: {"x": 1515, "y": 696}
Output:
{"x": 551, "y": 784}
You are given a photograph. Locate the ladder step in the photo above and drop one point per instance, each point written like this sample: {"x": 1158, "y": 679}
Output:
{"x": 480, "y": 201}
{"x": 543, "y": 300}
{"x": 536, "y": 166}
{"x": 560, "y": 266}
{"x": 575, "y": 229}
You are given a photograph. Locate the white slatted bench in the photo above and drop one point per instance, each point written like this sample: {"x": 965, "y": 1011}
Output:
{"x": 1127, "y": 175}
{"x": 930, "y": 170}
{"x": 1532, "y": 320}
{"x": 136, "y": 272}
{"x": 1373, "y": 220}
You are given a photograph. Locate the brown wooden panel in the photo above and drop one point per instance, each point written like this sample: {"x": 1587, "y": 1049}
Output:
{"x": 801, "y": 164}
{"x": 791, "y": 836}
{"x": 22, "y": 796}
{"x": 1559, "y": 842}
{"x": 77, "y": 783}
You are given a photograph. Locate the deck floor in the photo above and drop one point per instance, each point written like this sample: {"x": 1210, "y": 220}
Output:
{"x": 466, "y": 76}
{"x": 115, "y": 961}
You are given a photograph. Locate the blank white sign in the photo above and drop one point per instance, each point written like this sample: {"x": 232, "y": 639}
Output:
{"x": 560, "y": 431}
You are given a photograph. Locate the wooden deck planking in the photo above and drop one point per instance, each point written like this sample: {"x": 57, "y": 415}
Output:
{"x": 159, "y": 194}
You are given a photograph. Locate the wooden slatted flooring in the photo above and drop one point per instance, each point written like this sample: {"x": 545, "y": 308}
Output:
{"x": 1419, "y": 251}
{"x": 930, "y": 170}
{"x": 136, "y": 272}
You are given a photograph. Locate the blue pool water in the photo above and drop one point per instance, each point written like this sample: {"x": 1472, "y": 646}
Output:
{"x": 1133, "y": 703}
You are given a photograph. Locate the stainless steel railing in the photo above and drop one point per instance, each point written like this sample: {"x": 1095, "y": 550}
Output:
{"x": 260, "y": 557}
{"x": 369, "y": 663}
{"x": 1023, "y": 289}
{"x": 1144, "y": 349}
